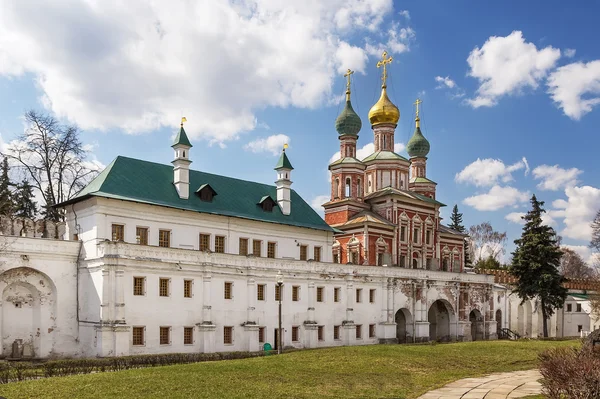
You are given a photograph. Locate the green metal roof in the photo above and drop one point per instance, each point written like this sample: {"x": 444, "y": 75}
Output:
{"x": 406, "y": 193}
{"x": 421, "y": 180}
{"x": 384, "y": 156}
{"x": 182, "y": 138}
{"x": 152, "y": 183}
{"x": 346, "y": 160}
{"x": 284, "y": 162}
{"x": 418, "y": 145}
{"x": 348, "y": 123}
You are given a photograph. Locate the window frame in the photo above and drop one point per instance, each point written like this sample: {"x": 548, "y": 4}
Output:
{"x": 358, "y": 295}
{"x": 337, "y": 297}
{"x": 160, "y": 335}
{"x": 187, "y": 329}
{"x": 271, "y": 249}
{"x": 254, "y": 247}
{"x": 303, "y": 252}
{"x": 261, "y": 335}
{"x": 243, "y": 240}
{"x": 188, "y": 292}
{"x": 320, "y": 333}
{"x": 228, "y": 290}
{"x": 295, "y": 293}
{"x": 317, "y": 252}
{"x": 143, "y": 336}
{"x": 143, "y": 279}
{"x": 336, "y": 333}
{"x": 204, "y": 242}
{"x": 228, "y": 330}
{"x": 220, "y": 246}
{"x": 260, "y": 292}
{"x": 115, "y": 236}
{"x": 278, "y": 291}
{"x": 372, "y": 294}
{"x": 161, "y": 239}
{"x": 320, "y": 294}
{"x": 359, "y": 333}
{"x": 295, "y": 334}
{"x": 372, "y": 331}
{"x": 138, "y": 236}
{"x": 168, "y": 287}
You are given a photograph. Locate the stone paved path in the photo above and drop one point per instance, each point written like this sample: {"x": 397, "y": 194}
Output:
{"x": 494, "y": 386}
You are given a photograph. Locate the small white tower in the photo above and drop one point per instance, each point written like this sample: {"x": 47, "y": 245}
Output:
{"x": 181, "y": 163}
{"x": 284, "y": 192}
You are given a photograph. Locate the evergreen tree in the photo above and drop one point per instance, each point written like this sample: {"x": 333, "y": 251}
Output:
{"x": 25, "y": 206}
{"x": 6, "y": 197}
{"x": 48, "y": 211}
{"x": 457, "y": 219}
{"x": 536, "y": 263}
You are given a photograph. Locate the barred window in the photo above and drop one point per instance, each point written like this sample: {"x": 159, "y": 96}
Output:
{"x": 372, "y": 295}
{"x": 320, "y": 294}
{"x": 118, "y": 232}
{"x": 317, "y": 254}
{"x": 188, "y": 335}
{"x": 278, "y": 290}
{"x": 336, "y": 294}
{"x": 164, "y": 238}
{"x": 260, "y": 292}
{"x": 295, "y": 333}
{"x": 303, "y": 252}
{"x": 165, "y": 335}
{"x": 355, "y": 257}
{"x": 359, "y": 331}
{"x": 358, "y": 295}
{"x": 138, "y": 285}
{"x": 187, "y": 288}
{"x": 141, "y": 234}
{"x": 295, "y": 293}
{"x": 336, "y": 258}
{"x": 228, "y": 335}
{"x": 228, "y": 290}
{"x": 256, "y": 247}
{"x": 204, "y": 242}
{"x": 163, "y": 287}
{"x": 261, "y": 335}
{"x": 271, "y": 249}
{"x": 243, "y": 246}
{"x": 371, "y": 330}
{"x": 138, "y": 335}
{"x": 336, "y": 332}
{"x": 321, "y": 333}
{"x": 220, "y": 244}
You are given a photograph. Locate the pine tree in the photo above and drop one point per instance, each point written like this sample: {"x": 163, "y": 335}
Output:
{"x": 457, "y": 219}
{"x": 536, "y": 262}
{"x": 48, "y": 211}
{"x": 25, "y": 206}
{"x": 6, "y": 196}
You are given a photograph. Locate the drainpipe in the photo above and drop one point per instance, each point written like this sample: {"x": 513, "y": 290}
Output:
{"x": 457, "y": 285}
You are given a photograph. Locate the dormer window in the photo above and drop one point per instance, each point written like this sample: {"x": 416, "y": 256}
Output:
{"x": 206, "y": 193}
{"x": 267, "y": 203}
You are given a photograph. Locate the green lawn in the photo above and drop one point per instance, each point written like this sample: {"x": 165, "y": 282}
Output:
{"x": 382, "y": 371}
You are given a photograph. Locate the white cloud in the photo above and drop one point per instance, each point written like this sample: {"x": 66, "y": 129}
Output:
{"x": 575, "y": 88}
{"x": 398, "y": 41}
{"x": 497, "y": 198}
{"x": 273, "y": 144}
{"x": 554, "y": 177}
{"x": 137, "y": 66}
{"x": 405, "y": 14}
{"x": 584, "y": 251}
{"x": 570, "y": 52}
{"x": 507, "y": 65}
{"x": 445, "y": 82}
{"x": 489, "y": 172}
{"x": 578, "y": 210}
{"x": 515, "y": 217}
{"x": 317, "y": 203}
{"x": 352, "y": 57}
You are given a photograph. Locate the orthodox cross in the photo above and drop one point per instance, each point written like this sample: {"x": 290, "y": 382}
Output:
{"x": 417, "y": 104}
{"x": 347, "y": 75}
{"x": 384, "y": 61}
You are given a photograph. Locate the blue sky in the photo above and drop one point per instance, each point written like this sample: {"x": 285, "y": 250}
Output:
{"x": 509, "y": 90}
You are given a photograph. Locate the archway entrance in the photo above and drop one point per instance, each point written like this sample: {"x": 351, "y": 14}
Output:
{"x": 498, "y": 322}
{"x": 476, "y": 320}
{"x": 439, "y": 316}
{"x": 403, "y": 319}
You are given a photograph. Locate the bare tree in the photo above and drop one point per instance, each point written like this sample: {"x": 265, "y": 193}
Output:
{"x": 52, "y": 158}
{"x": 486, "y": 242}
{"x": 572, "y": 265}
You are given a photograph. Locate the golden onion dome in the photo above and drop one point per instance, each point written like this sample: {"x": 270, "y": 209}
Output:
{"x": 384, "y": 111}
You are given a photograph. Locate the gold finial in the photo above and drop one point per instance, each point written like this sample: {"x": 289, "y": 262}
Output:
{"x": 417, "y": 119}
{"x": 347, "y": 75}
{"x": 384, "y": 61}
{"x": 183, "y": 119}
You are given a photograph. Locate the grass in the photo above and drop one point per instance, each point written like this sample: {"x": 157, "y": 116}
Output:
{"x": 381, "y": 371}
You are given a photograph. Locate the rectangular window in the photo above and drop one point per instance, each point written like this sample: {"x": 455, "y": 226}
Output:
{"x": 428, "y": 263}
{"x": 260, "y": 292}
{"x": 569, "y": 307}
{"x": 227, "y": 290}
{"x": 295, "y": 293}
{"x": 359, "y": 331}
{"x": 358, "y": 295}
{"x": 165, "y": 335}
{"x": 428, "y": 237}
{"x": 187, "y": 288}
{"x": 579, "y": 307}
{"x": 163, "y": 287}
{"x": 380, "y": 259}
{"x": 261, "y": 335}
{"x": 321, "y": 333}
{"x": 336, "y": 294}
{"x": 371, "y": 330}
{"x": 228, "y": 335}
{"x": 403, "y": 233}
{"x": 336, "y": 332}
{"x": 355, "y": 258}
{"x": 243, "y": 246}
{"x": 141, "y": 235}
{"x": 188, "y": 335}
{"x": 138, "y": 286}
{"x": 138, "y": 335}
{"x": 118, "y": 232}
{"x": 579, "y": 328}
{"x": 336, "y": 258}
{"x": 416, "y": 235}
{"x": 317, "y": 254}
{"x": 164, "y": 238}
{"x": 256, "y": 247}
{"x": 295, "y": 333}
{"x": 220, "y": 244}
{"x": 204, "y": 242}
{"x": 372, "y": 295}
{"x": 303, "y": 252}
{"x": 402, "y": 260}
{"x": 271, "y": 249}
{"x": 320, "y": 294}
{"x": 278, "y": 290}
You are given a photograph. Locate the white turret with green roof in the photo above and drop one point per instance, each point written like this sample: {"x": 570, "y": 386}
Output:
{"x": 181, "y": 163}
{"x": 284, "y": 184}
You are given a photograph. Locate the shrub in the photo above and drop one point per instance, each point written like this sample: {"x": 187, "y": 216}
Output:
{"x": 572, "y": 373}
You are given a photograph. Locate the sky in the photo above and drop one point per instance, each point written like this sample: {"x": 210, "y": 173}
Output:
{"x": 510, "y": 90}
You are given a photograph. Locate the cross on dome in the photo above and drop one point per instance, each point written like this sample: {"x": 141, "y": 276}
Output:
{"x": 383, "y": 63}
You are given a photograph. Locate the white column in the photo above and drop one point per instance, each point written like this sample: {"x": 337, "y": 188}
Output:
{"x": 207, "y": 327}
{"x": 206, "y": 308}
{"x": 119, "y": 296}
{"x": 251, "y": 300}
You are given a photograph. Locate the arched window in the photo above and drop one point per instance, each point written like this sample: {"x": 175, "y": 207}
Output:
{"x": 348, "y": 185}
{"x": 445, "y": 264}
{"x": 415, "y": 263}
{"x": 359, "y": 189}
{"x": 336, "y": 193}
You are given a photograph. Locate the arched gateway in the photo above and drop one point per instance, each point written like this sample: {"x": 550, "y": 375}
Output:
{"x": 403, "y": 320}
{"x": 440, "y": 317}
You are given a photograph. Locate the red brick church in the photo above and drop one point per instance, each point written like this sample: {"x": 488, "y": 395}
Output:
{"x": 384, "y": 208}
